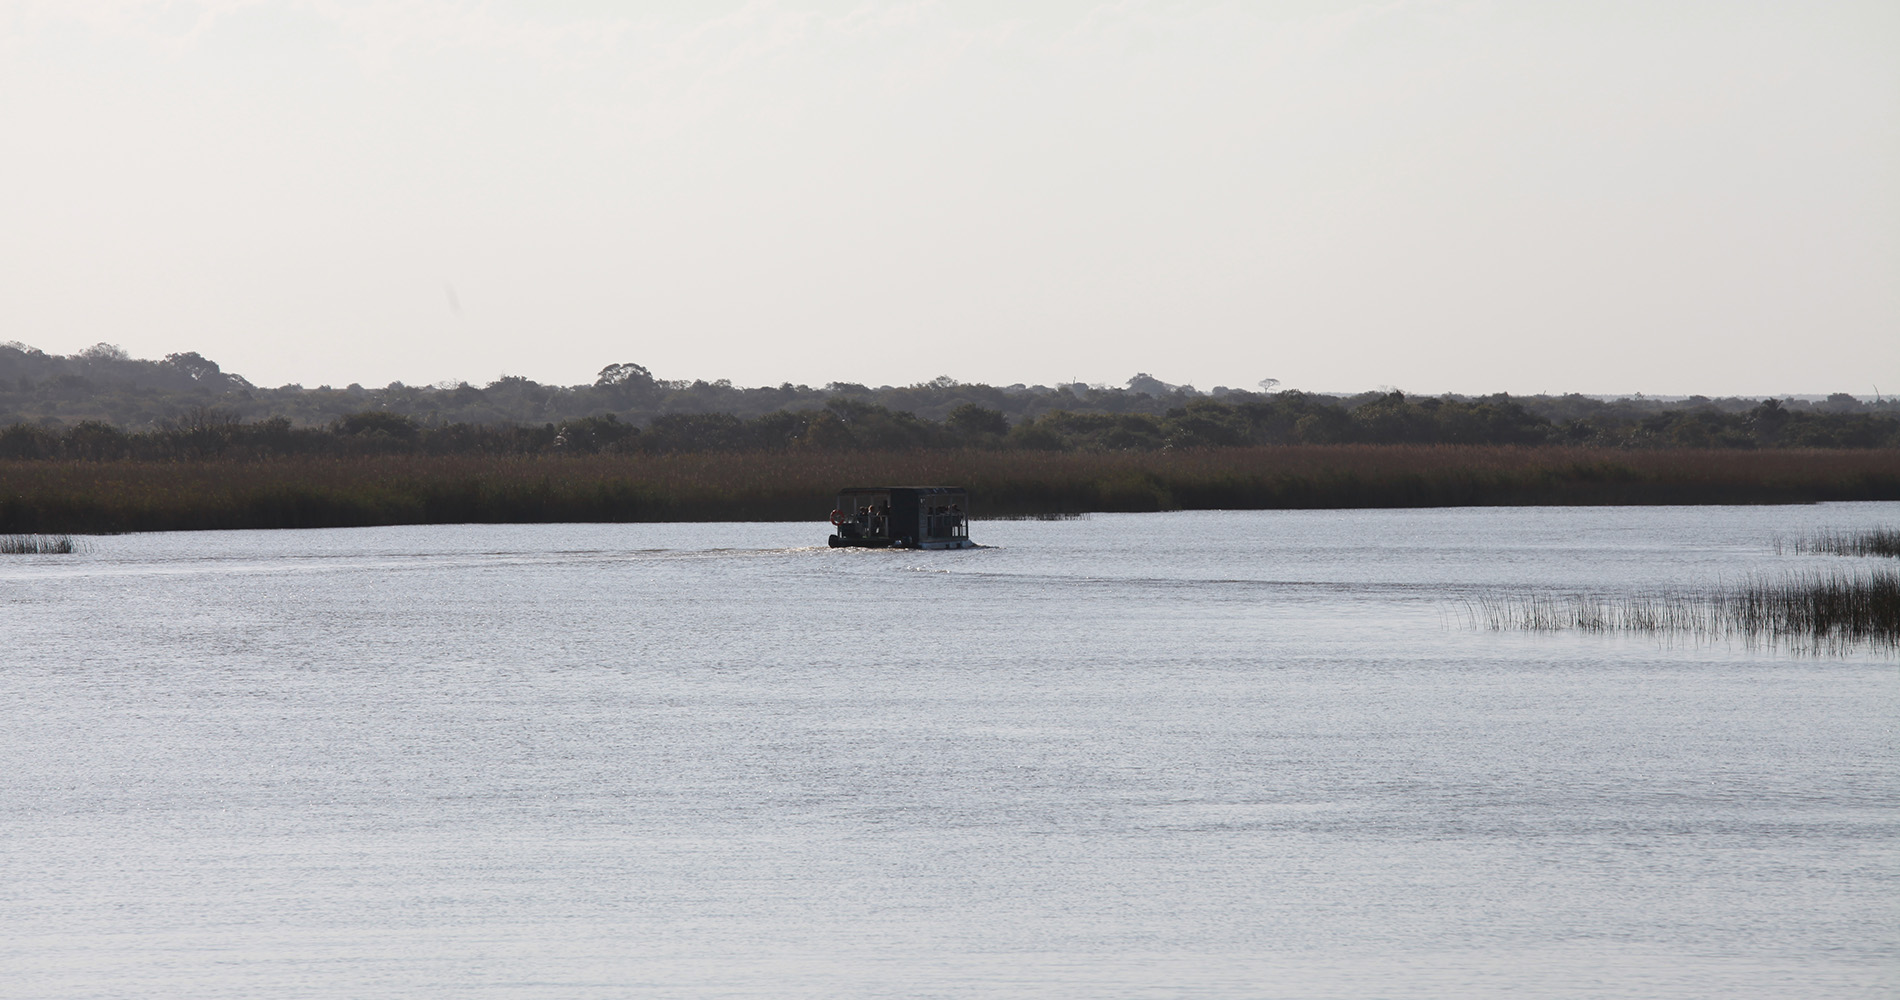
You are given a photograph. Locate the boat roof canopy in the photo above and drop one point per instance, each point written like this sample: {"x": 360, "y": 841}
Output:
{"x": 920, "y": 490}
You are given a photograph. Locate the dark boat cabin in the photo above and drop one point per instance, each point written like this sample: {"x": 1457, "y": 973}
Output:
{"x": 902, "y": 517}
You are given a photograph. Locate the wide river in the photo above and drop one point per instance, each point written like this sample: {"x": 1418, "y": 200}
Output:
{"x": 1217, "y": 754}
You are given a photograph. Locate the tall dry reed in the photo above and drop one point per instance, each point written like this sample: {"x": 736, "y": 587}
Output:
{"x": 1867, "y": 542}
{"x": 1819, "y": 610}
{"x": 37, "y": 545}
{"x": 84, "y": 496}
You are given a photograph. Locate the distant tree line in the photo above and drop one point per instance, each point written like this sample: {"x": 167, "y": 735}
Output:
{"x": 102, "y": 403}
{"x": 845, "y": 424}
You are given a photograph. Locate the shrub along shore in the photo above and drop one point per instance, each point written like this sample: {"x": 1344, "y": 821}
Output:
{"x": 845, "y": 423}
{"x": 79, "y": 496}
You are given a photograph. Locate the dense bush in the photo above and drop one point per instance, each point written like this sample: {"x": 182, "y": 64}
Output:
{"x": 193, "y": 406}
{"x": 846, "y": 424}
{"x": 101, "y": 404}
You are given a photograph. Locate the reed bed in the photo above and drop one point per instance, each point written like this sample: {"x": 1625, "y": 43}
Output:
{"x": 1870, "y": 542}
{"x": 1817, "y": 610}
{"x": 37, "y": 545}
{"x": 73, "y": 496}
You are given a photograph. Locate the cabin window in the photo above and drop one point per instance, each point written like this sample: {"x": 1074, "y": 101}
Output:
{"x": 866, "y": 515}
{"x": 945, "y": 516}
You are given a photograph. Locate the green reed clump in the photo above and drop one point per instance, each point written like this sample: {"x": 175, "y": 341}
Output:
{"x": 37, "y": 545}
{"x": 1819, "y": 609}
{"x": 1592, "y": 613}
{"x": 1867, "y": 542}
{"x": 1820, "y": 606}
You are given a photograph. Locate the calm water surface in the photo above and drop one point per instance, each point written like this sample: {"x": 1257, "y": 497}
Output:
{"x": 1173, "y": 755}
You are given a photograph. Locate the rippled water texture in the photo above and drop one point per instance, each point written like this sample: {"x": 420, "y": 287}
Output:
{"x": 1171, "y": 755}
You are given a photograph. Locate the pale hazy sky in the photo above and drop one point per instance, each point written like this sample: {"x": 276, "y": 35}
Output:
{"x": 1598, "y": 196}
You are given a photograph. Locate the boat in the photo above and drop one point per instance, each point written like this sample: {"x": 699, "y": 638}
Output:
{"x": 902, "y": 517}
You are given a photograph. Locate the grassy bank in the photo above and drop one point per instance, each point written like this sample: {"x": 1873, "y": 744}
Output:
{"x": 80, "y": 496}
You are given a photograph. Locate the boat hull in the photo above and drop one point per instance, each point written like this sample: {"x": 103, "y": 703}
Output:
{"x": 838, "y": 542}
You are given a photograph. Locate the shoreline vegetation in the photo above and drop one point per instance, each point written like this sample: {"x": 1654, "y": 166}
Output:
{"x": 76, "y": 496}
{"x": 100, "y": 441}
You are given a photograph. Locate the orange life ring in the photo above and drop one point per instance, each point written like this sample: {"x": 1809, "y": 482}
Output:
{"x": 837, "y": 517}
